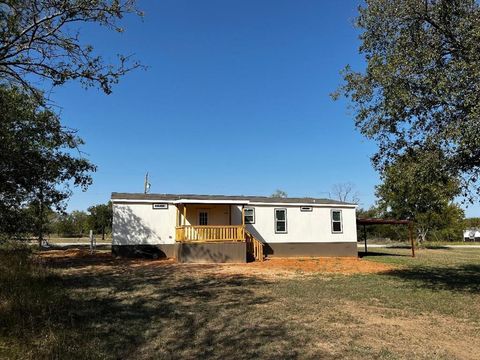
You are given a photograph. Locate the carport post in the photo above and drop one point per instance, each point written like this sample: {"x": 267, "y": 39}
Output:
{"x": 410, "y": 233}
{"x": 365, "y": 237}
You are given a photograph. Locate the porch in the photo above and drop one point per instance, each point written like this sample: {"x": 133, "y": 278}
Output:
{"x": 198, "y": 222}
{"x": 215, "y": 224}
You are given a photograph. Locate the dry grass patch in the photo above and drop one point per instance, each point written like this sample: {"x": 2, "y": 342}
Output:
{"x": 99, "y": 307}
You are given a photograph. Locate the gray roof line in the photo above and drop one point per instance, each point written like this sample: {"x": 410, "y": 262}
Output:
{"x": 265, "y": 199}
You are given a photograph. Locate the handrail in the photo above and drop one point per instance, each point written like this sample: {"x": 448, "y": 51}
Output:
{"x": 209, "y": 233}
{"x": 254, "y": 246}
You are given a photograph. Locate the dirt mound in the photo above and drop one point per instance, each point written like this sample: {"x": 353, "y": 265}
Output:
{"x": 339, "y": 265}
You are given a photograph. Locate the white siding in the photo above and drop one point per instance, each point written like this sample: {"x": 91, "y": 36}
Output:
{"x": 314, "y": 226}
{"x": 135, "y": 224}
{"x": 138, "y": 223}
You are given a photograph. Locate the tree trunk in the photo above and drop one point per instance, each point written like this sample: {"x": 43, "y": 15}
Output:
{"x": 40, "y": 219}
{"x": 103, "y": 232}
{"x": 422, "y": 234}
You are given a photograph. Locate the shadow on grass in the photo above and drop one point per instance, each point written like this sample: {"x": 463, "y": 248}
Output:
{"x": 173, "y": 311}
{"x": 435, "y": 247}
{"x": 362, "y": 254}
{"x": 465, "y": 278}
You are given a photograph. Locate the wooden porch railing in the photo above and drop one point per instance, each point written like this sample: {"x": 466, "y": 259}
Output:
{"x": 209, "y": 233}
{"x": 254, "y": 246}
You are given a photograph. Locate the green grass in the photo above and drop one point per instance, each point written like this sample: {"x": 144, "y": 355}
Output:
{"x": 427, "y": 307}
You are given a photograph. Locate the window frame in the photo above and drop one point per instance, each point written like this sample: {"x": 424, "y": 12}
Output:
{"x": 336, "y": 221}
{"x": 276, "y": 220}
{"x": 200, "y": 217}
{"x": 245, "y": 214}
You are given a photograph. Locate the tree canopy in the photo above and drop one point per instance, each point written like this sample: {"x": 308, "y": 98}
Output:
{"x": 40, "y": 44}
{"x": 101, "y": 217}
{"x": 40, "y": 160}
{"x": 40, "y": 40}
{"x": 409, "y": 190}
{"x": 420, "y": 88}
{"x": 279, "y": 194}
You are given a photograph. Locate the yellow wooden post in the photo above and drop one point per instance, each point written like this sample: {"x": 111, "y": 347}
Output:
{"x": 177, "y": 219}
{"x": 184, "y": 215}
{"x": 243, "y": 222}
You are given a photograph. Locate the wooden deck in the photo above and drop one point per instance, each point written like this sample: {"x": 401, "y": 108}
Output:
{"x": 222, "y": 233}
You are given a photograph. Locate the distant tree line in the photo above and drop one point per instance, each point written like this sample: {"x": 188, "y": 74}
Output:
{"x": 78, "y": 223}
{"x": 67, "y": 224}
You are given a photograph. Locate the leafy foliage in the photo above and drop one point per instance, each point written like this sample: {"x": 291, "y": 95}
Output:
{"x": 39, "y": 39}
{"x": 279, "y": 194}
{"x": 101, "y": 218}
{"x": 420, "y": 89}
{"x": 411, "y": 191}
{"x": 74, "y": 224}
{"x": 39, "y": 161}
{"x": 472, "y": 223}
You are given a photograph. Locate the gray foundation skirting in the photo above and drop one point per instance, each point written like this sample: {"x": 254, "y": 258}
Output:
{"x": 233, "y": 252}
{"x": 311, "y": 249}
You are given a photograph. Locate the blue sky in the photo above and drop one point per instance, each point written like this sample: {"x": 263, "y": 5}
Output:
{"x": 235, "y": 100}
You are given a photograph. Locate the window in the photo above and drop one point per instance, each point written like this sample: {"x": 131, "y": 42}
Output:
{"x": 281, "y": 221}
{"x": 203, "y": 218}
{"x": 337, "y": 226}
{"x": 159, "y": 206}
{"x": 249, "y": 215}
{"x": 306, "y": 209}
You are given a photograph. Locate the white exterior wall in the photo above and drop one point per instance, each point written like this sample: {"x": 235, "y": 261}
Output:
{"x": 140, "y": 224}
{"x": 302, "y": 227}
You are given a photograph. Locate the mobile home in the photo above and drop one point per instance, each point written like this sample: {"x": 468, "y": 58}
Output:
{"x": 218, "y": 228}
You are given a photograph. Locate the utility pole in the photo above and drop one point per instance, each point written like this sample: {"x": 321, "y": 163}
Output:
{"x": 146, "y": 184}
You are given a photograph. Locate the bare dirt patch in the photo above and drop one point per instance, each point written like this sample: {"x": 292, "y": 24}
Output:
{"x": 344, "y": 265}
{"x": 103, "y": 260}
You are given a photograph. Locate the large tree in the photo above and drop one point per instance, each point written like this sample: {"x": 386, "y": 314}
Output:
{"x": 40, "y": 161}
{"x": 345, "y": 192}
{"x": 40, "y": 45}
{"x": 410, "y": 190}
{"x": 101, "y": 218}
{"x": 420, "y": 89}
{"x": 40, "y": 40}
